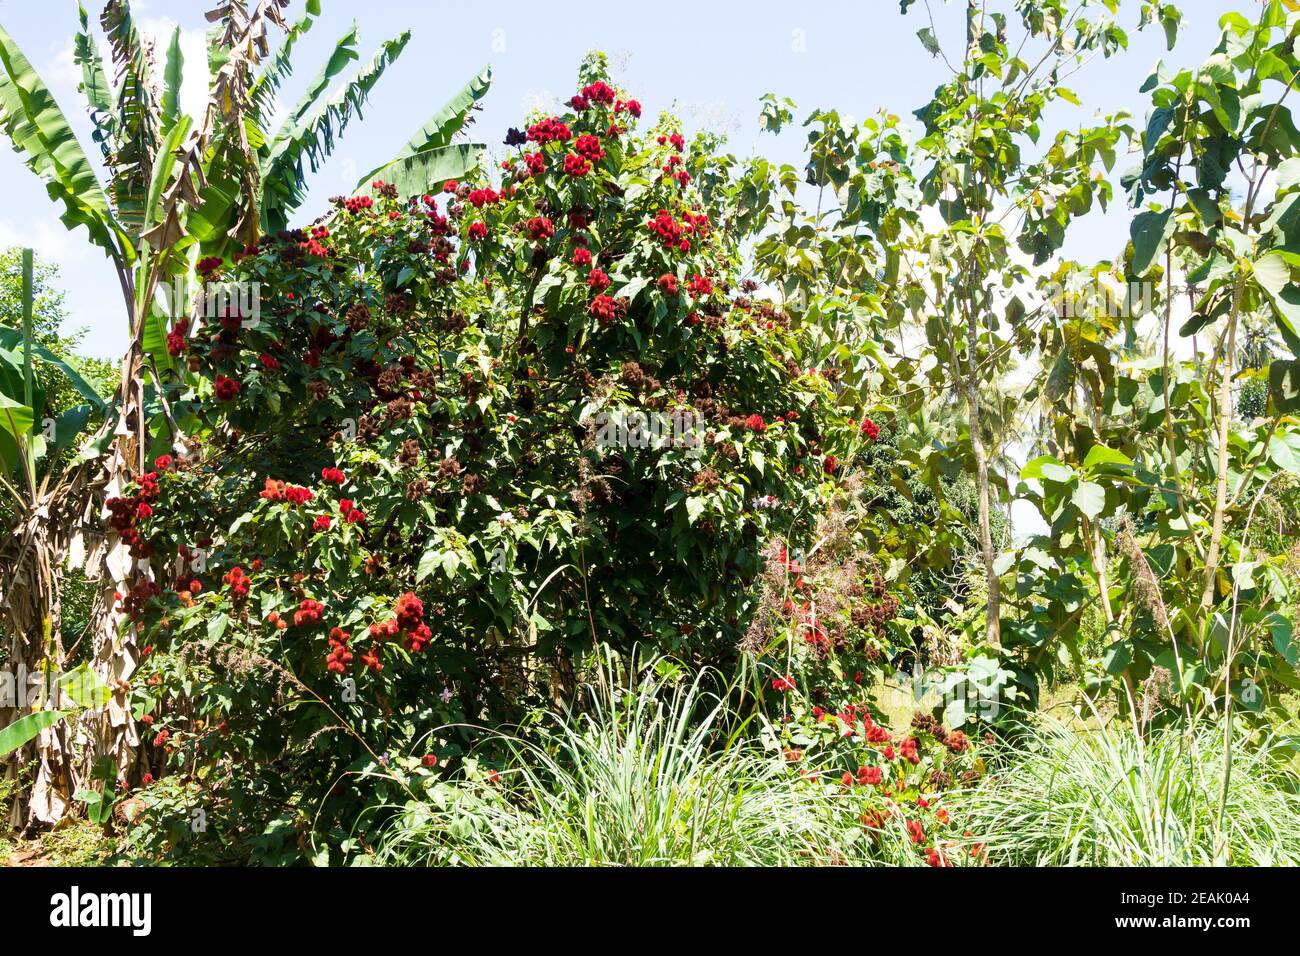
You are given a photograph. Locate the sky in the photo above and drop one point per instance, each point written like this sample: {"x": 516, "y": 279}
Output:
{"x": 710, "y": 62}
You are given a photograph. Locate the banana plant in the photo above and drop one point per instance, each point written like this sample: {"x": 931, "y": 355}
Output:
{"x": 177, "y": 187}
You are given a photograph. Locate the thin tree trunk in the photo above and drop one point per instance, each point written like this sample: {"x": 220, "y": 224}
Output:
{"x": 993, "y": 614}
{"x": 1225, "y": 421}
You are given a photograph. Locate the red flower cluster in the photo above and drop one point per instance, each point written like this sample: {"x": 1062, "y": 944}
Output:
{"x": 700, "y": 285}
{"x": 668, "y": 231}
{"x": 350, "y": 512}
{"x": 550, "y": 130}
{"x": 870, "y": 776}
{"x": 783, "y": 685}
{"x": 333, "y": 476}
{"x": 477, "y": 231}
{"x": 536, "y": 163}
{"x": 576, "y": 166}
{"x": 603, "y": 307}
{"x": 208, "y": 266}
{"x": 870, "y": 429}
{"x": 598, "y": 279}
{"x": 238, "y": 583}
{"x": 540, "y": 228}
{"x": 599, "y": 92}
{"x": 755, "y": 423}
{"x": 582, "y": 256}
{"x": 309, "y": 612}
{"x": 279, "y": 491}
{"x": 357, "y": 204}
{"x": 589, "y": 148}
{"x": 176, "y": 338}
{"x": 668, "y": 284}
{"x": 227, "y": 389}
{"x": 322, "y": 523}
{"x": 124, "y": 512}
{"x": 339, "y": 656}
{"x": 479, "y": 198}
{"x": 410, "y": 617}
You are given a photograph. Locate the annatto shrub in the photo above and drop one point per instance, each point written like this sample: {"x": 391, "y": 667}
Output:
{"x": 467, "y": 435}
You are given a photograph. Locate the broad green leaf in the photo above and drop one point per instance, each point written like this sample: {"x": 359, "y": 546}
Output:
{"x": 173, "y": 73}
{"x": 40, "y": 132}
{"x": 1283, "y": 634}
{"x": 25, "y": 729}
{"x": 1150, "y": 232}
{"x": 12, "y": 339}
{"x": 1046, "y": 467}
{"x": 1090, "y": 498}
{"x": 94, "y": 85}
{"x": 443, "y": 126}
{"x": 311, "y": 132}
{"x": 85, "y": 688}
{"x": 425, "y": 171}
{"x": 1099, "y": 456}
{"x": 1284, "y": 385}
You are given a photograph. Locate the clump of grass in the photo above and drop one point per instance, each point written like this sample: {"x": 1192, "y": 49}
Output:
{"x": 1106, "y": 796}
{"x": 644, "y": 777}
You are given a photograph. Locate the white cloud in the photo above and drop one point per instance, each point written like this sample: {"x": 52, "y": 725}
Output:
{"x": 47, "y": 236}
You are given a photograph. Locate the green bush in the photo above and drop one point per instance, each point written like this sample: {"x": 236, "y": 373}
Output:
{"x": 415, "y": 506}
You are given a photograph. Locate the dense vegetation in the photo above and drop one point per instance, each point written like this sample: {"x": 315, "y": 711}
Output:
{"x": 632, "y": 502}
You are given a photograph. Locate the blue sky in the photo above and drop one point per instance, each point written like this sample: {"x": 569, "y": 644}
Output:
{"x": 710, "y": 62}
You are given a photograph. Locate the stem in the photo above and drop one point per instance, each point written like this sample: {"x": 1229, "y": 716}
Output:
{"x": 1221, "y": 467}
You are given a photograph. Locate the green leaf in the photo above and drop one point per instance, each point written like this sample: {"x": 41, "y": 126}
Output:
{"x": 85, "y": 688}
{"x": 695, "y": 505}
{"x": 1279, "y": 626}
{"x": 173, "y": 72}
{"x": 161, "y": 175}
{"x": 1090, "y": 498}
{"x": 94, "y": 85}
{"x": 13, "y": 339}
{"x": 1273, "y": 274}
{"x": 425, "y": 171}
{"x": 312, "y": 129}
{"x": 26, "y": 728}
{"x": 69, "y": 425}
{"x": 1284, "y": 385}
{"x": 1150, "y": 232}
{"x": 16, "y": 425}
{"x": 1100, "y": 456}
{"x": 1046, "y": 467}
{"x": 40, "y": 132}
{"x": 443, "y": 126}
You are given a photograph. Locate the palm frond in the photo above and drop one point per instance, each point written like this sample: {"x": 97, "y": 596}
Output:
{"x": 313, "y": 134}
{"x": 438, "y": 133}
{"x": 40, "y": 132}
{"x": 95, "y": 86}
{"x": 136, "y": 138}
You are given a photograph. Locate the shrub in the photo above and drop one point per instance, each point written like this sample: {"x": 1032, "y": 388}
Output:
{"x": 406, "y": 502}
